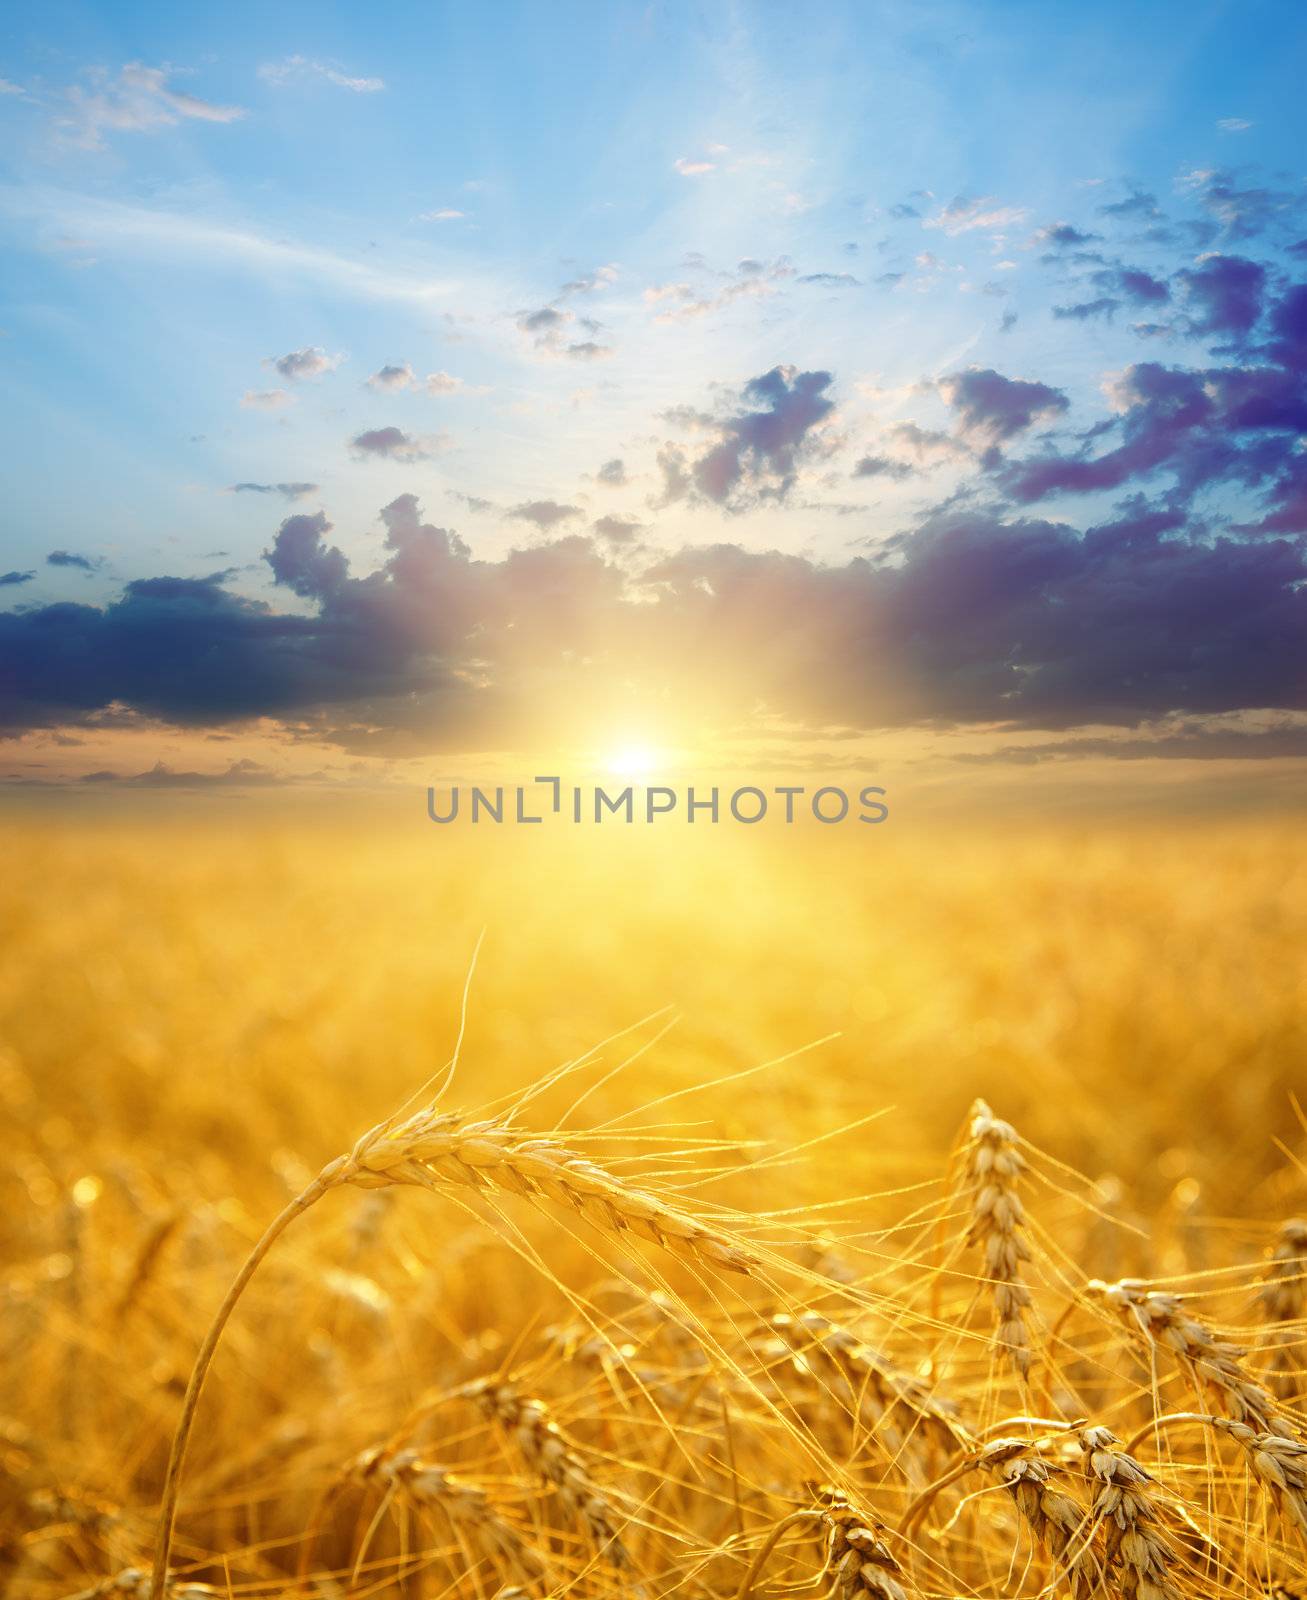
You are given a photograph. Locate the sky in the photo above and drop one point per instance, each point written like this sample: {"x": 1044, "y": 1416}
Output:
{"x": 425, "y": 387}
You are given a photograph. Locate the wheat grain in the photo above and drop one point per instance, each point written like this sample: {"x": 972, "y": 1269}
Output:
{"x": 858, "y": 1562}
{"x": 1213, "y": 1366}
{"x": 558, "y": 1461}
{"x": 994, "y": 1167}
{"x": 1123, "y": 1503}
{"x": 435, "y": 1149}
{"x": 466, "y": 1505}
{"x": 1058, "y": 1522}
{"x": 886, "y": 1401}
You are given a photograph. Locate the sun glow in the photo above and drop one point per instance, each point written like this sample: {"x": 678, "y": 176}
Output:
{"x": 632, "y": 761}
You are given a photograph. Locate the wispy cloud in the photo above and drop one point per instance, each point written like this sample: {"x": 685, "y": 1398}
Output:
{"x": 151, "y": 233}
{"x": 139, "y": 99}
{"x": 299, "y": 69}
{"x": 965, "y": 215}
{"x": 266, "y": 399}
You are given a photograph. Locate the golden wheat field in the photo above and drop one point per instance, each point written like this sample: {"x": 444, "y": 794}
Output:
{"x": 914, "y": 1220}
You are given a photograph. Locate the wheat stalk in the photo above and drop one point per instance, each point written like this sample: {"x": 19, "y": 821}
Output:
{"x": 1282, "y": 1298}
{"x": 438, "y": 1150}
{"x": 466, "y": 1505}
{"x": 559, "y": 1462}
{"x": 994, "y": 1167}
{"x": 878, "y": 1392}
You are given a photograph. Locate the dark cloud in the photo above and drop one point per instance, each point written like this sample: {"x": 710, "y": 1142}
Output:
{"x": 1224, "y": 294}
{"x": 69, "y": 558}
{"x": 1133, "y": 284}
{"x": 992, "y": 409}
{"x": 971, "y": 618}
{"x": 1243, "y": 209}
{"x": 288, "y": 491}
{"x": 9, "y": 579}
{"x": 758, "y": 449}
{"x": 613, "y": 473}
{"x": 830, "y": 280}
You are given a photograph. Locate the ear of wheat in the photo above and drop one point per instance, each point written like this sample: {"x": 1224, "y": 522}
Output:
{"x": 1134, "y": 1547}
{"x": 466, "y": 1505}
{"x": 1059, "y": 1523}
{"x": 438, "y": 1150}
{"x": 1282, "y": 1299}
{"x": 994, "y": 1167}
{"x": 548, "y": 1451}
{"x": 1214, "y": 1367}
{"x": 858, "y": 1561}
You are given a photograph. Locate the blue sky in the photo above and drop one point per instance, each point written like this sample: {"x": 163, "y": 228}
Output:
{"x": 476, "y": 254}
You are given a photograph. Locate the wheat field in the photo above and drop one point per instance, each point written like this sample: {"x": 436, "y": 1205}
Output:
{"x": 750, "y": 1219}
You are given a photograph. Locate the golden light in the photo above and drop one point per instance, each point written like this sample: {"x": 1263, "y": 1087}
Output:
{"x": 636, "y": 761}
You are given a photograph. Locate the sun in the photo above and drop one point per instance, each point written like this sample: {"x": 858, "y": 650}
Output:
{"x": 632, "y": 760}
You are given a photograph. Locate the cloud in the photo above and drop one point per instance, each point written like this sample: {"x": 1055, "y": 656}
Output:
{"x": 392, "y": 379}
{"x": 693, "y": 168}
{"x": 12, "y": 579}
{"x": 613, "y": 473}
{"x": 391, "y": 444}
{"x": 1233, "y": 125}
{"x": 266, "y": 399}
{"x": 1133, "y": 284}
{"x": 618, "y": 529}
{"x": 69, "y": 558}
{"x": 757, "y": 450}
{"x": 992, "y": 409}
{"x": 299, "y": 69}
{"x": 969, "y": 618}
{"x": 1233, "y": 426}
{"x": 830, "y": 280}
{"x": 965, "y": 215}
{"x": 296, "y": 365}
{"x": 1062, "y": 235}
{"x": 1243, "y": 209}
{"x": 445, "y": 214}
{"x": 386, "y": 378}
{"x": 1138, "y": 206}
{"x": 548, "y": 329}
{"x": 1104, "y": 306}
{"x": 1225, "y": 294}
{"x": 288, "y": 491}
{"x": 882, "y": 467}
{"x": 683, "y": 302}
{"x": 240, "y": 774}
{"x": 138, "y": 100}
{"x": 543, "y": 514}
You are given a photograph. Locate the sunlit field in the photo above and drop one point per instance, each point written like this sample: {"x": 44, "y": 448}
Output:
{"x": 722, "y": 1283}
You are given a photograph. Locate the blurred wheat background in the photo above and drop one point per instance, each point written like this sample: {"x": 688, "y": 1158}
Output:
{"x": 927, "y": 1381}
